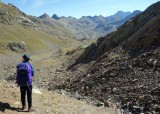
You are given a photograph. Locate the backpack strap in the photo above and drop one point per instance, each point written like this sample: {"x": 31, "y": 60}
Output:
{"x": 32, "y": 68}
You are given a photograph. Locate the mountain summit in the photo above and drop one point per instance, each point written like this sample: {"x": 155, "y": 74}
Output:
{"x": 121, "y": 14}
{"x": 44, "y": 16}
{"x": 55, "y": 16}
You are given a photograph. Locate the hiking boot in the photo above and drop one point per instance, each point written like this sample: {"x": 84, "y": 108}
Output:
{"x": 30, "y": 109}
{"x": 23, "y": 107}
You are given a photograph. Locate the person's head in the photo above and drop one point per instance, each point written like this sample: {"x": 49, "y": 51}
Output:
{"x": 26, "y": 58}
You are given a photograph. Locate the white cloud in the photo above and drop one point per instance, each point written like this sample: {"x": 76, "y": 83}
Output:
{"x": 39, "y": 3}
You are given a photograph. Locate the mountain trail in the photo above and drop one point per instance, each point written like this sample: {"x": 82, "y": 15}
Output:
{"x": 45, "y": 102}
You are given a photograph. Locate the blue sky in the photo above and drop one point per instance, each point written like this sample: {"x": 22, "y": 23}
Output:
{"x": 78, "y": 8}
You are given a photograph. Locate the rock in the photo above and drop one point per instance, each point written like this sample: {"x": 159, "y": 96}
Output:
{"x": 155, "y": 91}
{"x": 17, "y": 47}
{"x": 134, "y": 81}
{"x": 149, "y": 61}
{"x": 36, "y": 91}
{"x": 137, "y": 108}
{"x": 130, "y": 66}
{"x": 154, "y": 62}
{"x": 97, "y": 103}
{"x": 152, "y": 108}
{"x": 78, "y": 96}
{"x": 106, "y": 104}
{"x": 63, "y": 92}
{"x": 141, "y": 98}
{"x": 26, "y": 21}
{"x": 112, "y": 74}
{"x": 148, "y": 112}
{"x": 114, "y": 90}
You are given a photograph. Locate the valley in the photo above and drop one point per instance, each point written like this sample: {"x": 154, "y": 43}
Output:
{"x": 106, "y": 65}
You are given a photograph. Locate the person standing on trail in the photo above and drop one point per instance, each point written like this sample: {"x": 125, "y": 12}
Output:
{"x": 25, "y": 72}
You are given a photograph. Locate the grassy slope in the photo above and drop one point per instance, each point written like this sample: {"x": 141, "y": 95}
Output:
{"x": 36, "y": 40}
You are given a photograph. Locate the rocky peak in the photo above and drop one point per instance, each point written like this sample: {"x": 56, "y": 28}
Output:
{"x": 11, "y": 5}
{"x": 121, "y": 14}
{"x": 136, "y": 12}
{"x": 55, "y": 16}
{"x": 44, "y": 16}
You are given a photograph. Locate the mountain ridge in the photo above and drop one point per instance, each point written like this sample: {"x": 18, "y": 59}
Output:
{"x": 87, "y": 27}
{"x": 93, "y": 27}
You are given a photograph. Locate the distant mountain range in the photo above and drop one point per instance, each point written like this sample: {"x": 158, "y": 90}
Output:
{"x": 49, "y": 32}
{"x": 92, "y": 26}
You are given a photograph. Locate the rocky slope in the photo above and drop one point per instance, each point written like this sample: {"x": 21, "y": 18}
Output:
{"x": 126, "y": 66}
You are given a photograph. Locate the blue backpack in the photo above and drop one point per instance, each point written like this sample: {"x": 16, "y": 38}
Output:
{"x": 24, "y": 74}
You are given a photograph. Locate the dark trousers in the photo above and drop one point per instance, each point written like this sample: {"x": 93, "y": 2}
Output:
{"x": 28, "y": 90}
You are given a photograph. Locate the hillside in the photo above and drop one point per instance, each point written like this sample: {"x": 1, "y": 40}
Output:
{"x": 124, "y": 66}
{"x": 19, "y": 30}
{"x": 12, "y": 15}
{"x": 141, "y": 25}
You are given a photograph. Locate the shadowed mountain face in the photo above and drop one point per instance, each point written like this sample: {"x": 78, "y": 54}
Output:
{"x": 141, "y": 32}
{"x": 55, "y": 16}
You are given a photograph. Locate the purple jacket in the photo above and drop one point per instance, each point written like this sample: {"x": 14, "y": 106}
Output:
{"x": 24, "y": 74}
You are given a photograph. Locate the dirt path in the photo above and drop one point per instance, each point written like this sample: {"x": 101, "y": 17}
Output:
{"x": 45, "y": 102}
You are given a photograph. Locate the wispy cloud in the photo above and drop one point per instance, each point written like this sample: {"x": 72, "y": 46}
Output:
{"x": 39, "y": 3}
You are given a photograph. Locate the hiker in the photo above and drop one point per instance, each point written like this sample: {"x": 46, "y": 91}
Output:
{"x": 25, "y": 72}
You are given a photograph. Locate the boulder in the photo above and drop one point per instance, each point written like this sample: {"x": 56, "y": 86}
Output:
{"x": 18, "y": 47}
